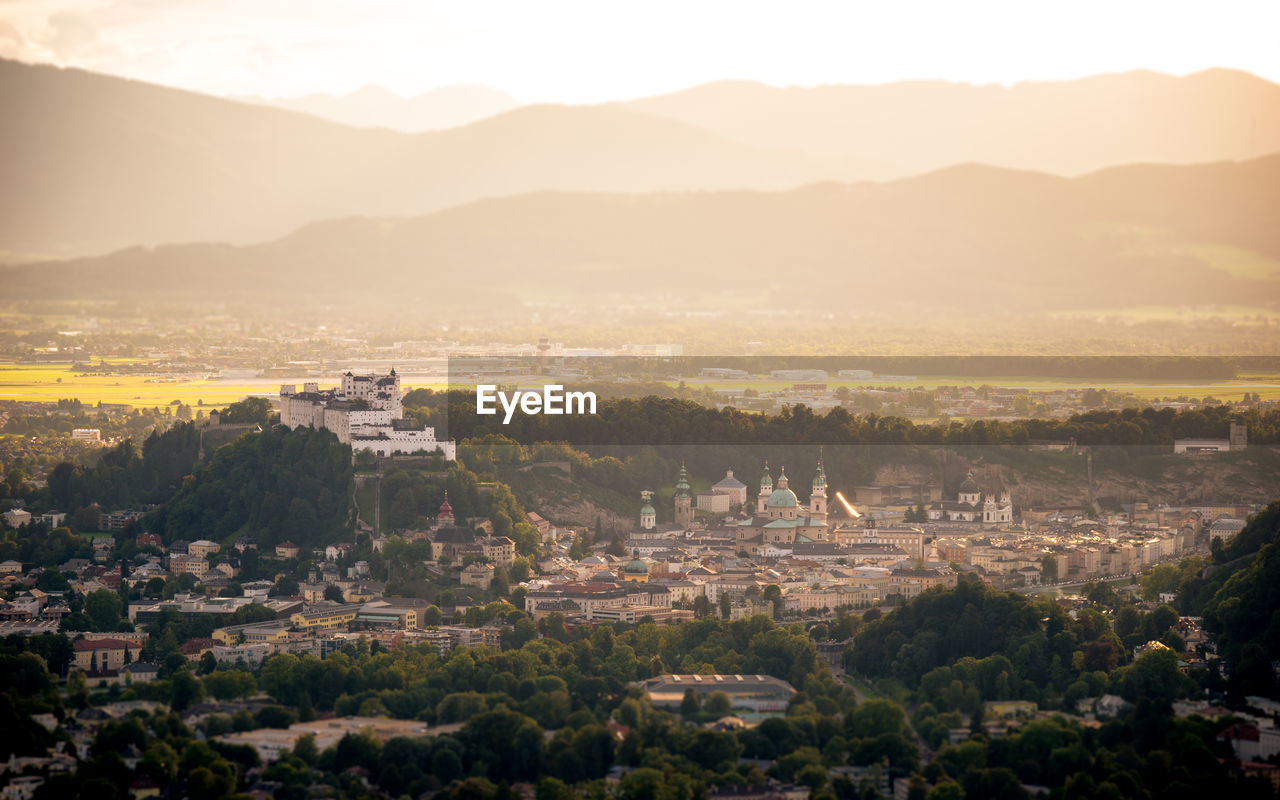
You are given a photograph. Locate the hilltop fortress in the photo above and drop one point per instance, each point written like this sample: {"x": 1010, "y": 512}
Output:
{"x": 365, "y": 412}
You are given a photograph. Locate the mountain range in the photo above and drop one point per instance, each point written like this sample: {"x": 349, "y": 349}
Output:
{"x": 95, "y": 163}
{"x": 376, "y": 107}
{"x": 968, "y": 239}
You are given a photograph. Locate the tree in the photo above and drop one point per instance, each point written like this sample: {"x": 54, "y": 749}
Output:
{"x": 718, "y": 703}
{"x": 1049, "y": 569}
{"x": 690, "y": 704}
{"x": 77, "y": 689}
{"x": 248, "y": 411}
{"x": 286, "y": 586}
{"x": 305, "y": 749}
{"x": 103, "y": 608}
{"x": 208, "y": 663}
{"x": 773, "y": 593}
{"x": 186, "y": 690}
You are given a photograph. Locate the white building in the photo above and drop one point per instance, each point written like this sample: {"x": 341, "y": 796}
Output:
{"x": 366, "y": 412}
{"x": 16, "y": 517}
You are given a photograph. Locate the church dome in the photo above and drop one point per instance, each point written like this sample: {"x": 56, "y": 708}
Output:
{"x": 647, "y": 510}
{"x": 970, "y": 486}
{"x": 783, "y": 497}
{"x": 636, "y": 567}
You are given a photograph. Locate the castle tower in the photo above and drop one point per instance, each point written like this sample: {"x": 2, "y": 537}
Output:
{"x": 648, "y": 516}
{"x": 818, "y": 499}
{"x": 766, "y": 489}
{"x": 683, "y": 500}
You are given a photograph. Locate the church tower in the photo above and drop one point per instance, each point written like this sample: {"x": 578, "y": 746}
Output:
{"x": 818, "y": 499}
{"x": 683, "y": 500}
{"x": 648, "y": 515}
{"x": 766, "y": 489}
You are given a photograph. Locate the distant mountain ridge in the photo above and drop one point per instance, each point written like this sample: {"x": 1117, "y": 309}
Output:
{"x": 1063, "y": 127}
{"x": 376, "y": 107}
{"x": 93, "y": 163}
{"x": 970, "y": 239}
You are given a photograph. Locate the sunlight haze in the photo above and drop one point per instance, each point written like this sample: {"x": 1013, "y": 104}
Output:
{"x": 587, "y": 52}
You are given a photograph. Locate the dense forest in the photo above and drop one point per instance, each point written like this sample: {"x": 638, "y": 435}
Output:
{"x": 1239, "y": 595}
{"x": 277, "y": 485}
{"x": 127, "y": 476}
{"x": 653, "y": 421}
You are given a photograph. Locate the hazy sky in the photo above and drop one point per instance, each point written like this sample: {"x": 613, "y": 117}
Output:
{"x": 594, "y": 50}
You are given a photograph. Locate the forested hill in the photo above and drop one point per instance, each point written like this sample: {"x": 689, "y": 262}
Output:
{"x": 279, "y": 485}
{"x": 126, "y": 476}
{"x": 1239, "y": 597}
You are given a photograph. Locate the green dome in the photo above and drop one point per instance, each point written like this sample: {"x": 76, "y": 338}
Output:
{"x": 646, "y": 510}
{"x": 783, "y": 498}
{"x": 636, "y": 567}
{"x": 767, "y": 479}
{"x": 820, "y": 478}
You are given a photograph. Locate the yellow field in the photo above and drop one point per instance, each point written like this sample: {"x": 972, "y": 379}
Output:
{"x": 49, "y": 383}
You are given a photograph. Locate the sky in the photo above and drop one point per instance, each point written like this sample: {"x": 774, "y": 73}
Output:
{"x": 585, "y": 51}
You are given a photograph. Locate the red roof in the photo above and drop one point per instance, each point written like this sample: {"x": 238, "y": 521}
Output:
{"x": 445, "y": 508}
{"x": 1248, "y": 733}
{"x": 102, "y": 644}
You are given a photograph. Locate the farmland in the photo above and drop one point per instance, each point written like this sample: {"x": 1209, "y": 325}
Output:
{"x": 51, "y": 382}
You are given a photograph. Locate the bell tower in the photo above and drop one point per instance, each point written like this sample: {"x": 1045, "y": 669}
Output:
{"x": 766, "y": 489}
{"x": 818, "y": 499}
{"x": 683, "y": 500}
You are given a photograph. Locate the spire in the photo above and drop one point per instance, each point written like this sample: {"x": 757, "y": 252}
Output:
{"x": 820, "y": 477}
{"x": 682, "y": 482}
{"x": 782, "y": 478}
{"x": 766, "y": 481}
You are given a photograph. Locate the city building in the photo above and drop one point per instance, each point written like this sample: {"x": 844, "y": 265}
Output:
{"x": 755, "y": 693}
{"x": 991, "y": 508}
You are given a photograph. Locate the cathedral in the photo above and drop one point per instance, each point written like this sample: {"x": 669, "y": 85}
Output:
{"x": 780, "y": 518}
